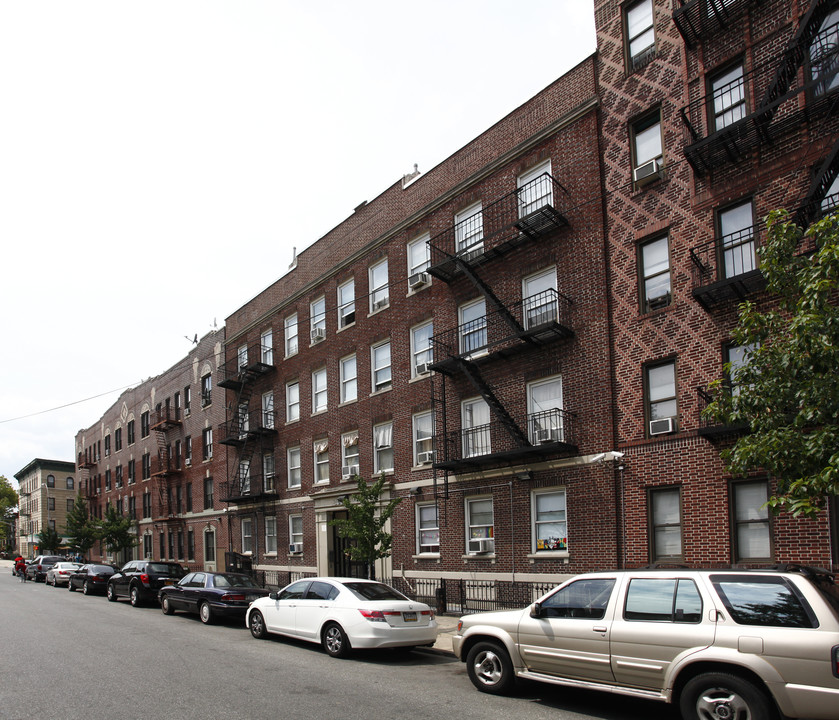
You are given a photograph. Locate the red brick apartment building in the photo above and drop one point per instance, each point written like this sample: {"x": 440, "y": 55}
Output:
{"x": 153, "y": 457}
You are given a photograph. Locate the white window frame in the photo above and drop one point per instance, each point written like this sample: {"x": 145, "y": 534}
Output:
{"x": 266, "y": 347}
{"x": 469, "y": 229}
{"x": 346, "y": 304}
{"x": 476, "y": 531}
{"x": 537, "y": 522}
{"x": 751, "y": 523}
{"x": 317, "y": 314}
{"x": 471, "y": 448}
{"x": 737, "y": 241}
{"x": 269, "y": 472}
{"x": 290, "y": 329}
{"x": 635, "y": 33}
{"x": 421, "y": 354}
{"x": 320, "y": 399}
{"x": 270, "y": 535}
{"x": 422, "y": 424}
{"x": 295, "y": 470}
{"x": 379, "y": 286}
{"x": 534, "y": 190}
{"x": 655, "y": 274}
{"x": 419, "y": 254}
{"x": 349, "y": 450}
{"x": 663, "y": 522}
{"x": 647, "y": 140}
{"x": 242, "y": 357}
{"x": 383, "y": 459}
{"x": 247, "y": 535}
{"x": 245, "y": 476}
{"x": 663, "y": 396}
{"x": 541, "y": 299}
{"x": 295, "y": 529}
{"x": 427, "y": 525}
{"x": 348, "y": 367}
{"x": 546, "y": 415}
{"x": 320, "y": 453}
{"x": 728, "y": 96}
{"x": 292, "y": 401}
{"x": 268, "y": 410}
{"x": 381, "y": 372}
{"x": 472, "y": 333}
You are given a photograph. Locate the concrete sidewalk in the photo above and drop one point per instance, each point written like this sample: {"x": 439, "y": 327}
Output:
{"x": 447, "y": 627}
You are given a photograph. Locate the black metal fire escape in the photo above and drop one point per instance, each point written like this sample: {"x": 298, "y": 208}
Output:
{"x": 165, "y": 467}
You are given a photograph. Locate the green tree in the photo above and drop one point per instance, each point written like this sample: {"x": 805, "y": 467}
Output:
{"x": 115, "y": 531}
{"x": 786, "y": 392}
{"x": 81, "y": 530}
{"x": 367, "y": 515}
{"x": 8, "y": 503}
{"x": 48, "y": 541}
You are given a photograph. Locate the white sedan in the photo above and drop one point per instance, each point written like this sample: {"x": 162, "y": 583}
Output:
{"x": 343, "y": 614}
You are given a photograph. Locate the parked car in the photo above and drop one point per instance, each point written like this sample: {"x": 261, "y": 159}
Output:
{"x": 211, "y": 595}
{"x": 37, "y": 569}
{"x": 719, "y": 643}
{"x": 343, "y": 614}
{"x": 91, "y": 578}
{"x": 140, "y": 580}
{"x": 59, "y": 573}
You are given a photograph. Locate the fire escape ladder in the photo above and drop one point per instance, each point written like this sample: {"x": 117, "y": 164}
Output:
{"x": 242, "y": 477}
{"x": 823, "y": 179}
{"x": 163, "y": 467}
{"x": 485, "y": 290}
{"x": 473, "y": 374}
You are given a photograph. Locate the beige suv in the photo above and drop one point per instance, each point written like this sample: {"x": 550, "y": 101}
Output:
{"x": 723, "y": 644}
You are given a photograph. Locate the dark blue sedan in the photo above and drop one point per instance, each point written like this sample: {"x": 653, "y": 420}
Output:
{"x": 211, "y": 595}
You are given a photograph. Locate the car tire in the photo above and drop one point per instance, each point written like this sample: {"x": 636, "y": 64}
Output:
{"x": 166, "y": 606}
{"x": 256, "y": 623}
{"x": 704, "y": 694}
{"x": 134, "y": 596}
{"x": 335, "y": 640}
{"x": 70, "y": 586}
{"x": 490, "y": 668}
{"x": 86, "y": 588}
{"x": 205, "y": 612}
{"x": 112, "y": 593}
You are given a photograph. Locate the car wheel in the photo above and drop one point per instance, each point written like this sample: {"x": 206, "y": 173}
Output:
{"x": 257, "y": 625}
{"x": 112, "y": 593}
{"x": 70, "y": 586}
{"x": 335, "y": 640}
{"x": 134, "y": 596}
{"x": 205, "y": 612}
{"x": 166, "y": 606}
{"x": 721, "y": 695}
{"x": 86, "y": 588}
{"x": 490, "y": 668}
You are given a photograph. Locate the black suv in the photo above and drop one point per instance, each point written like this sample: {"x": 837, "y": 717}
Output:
{"x": 140, "y": 580}
{"x": 37, "y": 569}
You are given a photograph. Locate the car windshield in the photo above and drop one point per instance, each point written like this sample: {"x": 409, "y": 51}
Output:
{"x": 105, "y": 569}
{"x": 165, "y": 569}
{"x": 373, "y": 591}
{"x": 223, "y": 581}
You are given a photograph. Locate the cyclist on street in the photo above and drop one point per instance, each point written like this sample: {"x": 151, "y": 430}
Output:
{"x": 20, "y": 568}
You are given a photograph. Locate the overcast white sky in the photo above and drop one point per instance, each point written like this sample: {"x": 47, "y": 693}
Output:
{"x": 148, "y": 149}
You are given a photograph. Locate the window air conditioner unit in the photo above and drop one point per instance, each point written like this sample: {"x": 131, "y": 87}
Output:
{"x": 646, "y": 173}
{"x": 417, "y": 280}
{"x": 425, "y": 458}
{"x": 188, "y": 462}
{"x": 470, "y": 255}
{"x": 348, "y": 471}
{"x": 481, "y": 545}
{"x": 379, "y": 304}
{"x": 547, "y": 435}
{"x": 662, "y": 426}
{"x": 318, "y": 334}
{"x": 423, "y": 368}
{"x": 295, "y": 548}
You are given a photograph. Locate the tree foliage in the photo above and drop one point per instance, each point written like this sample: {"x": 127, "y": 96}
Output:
{"x": 81, "y": 530}
{"x": 48, "y": 541}
{"x": 8, "y": 503}
{"x": 367, "y": 515}
{"x": 115, "y": 531}
{"x": 787, "y": 392}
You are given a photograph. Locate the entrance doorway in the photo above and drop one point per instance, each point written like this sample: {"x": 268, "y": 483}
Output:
{"x": 340, "y": 565}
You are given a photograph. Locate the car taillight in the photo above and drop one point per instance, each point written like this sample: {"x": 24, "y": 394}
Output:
{"x": 39, "y": 567}
{"x": 836, "y": 661}
{"x": 428, "y": 612}
{"x": 373, "y": 615}
{"x": 232, "y": 597}
{"x": 144, "y": 578}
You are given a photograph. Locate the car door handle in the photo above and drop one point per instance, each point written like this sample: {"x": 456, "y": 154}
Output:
{"x": 600, "y": 628}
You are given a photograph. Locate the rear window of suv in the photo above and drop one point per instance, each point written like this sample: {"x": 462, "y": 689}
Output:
{"x": 165, "y": 569}
{"x": 767, "y": 601}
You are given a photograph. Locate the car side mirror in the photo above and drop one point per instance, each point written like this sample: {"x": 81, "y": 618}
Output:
{"x": 536, "y": 610}
{"x": 274, "y": 596}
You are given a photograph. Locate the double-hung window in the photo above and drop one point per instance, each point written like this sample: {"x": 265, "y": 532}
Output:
{"x": 247, "y": 535}
{"x": 266, "y": 347}
{"x": 480, "y": 525}
{"x": 349, "y": 379}
{"x": 475, "y": 427}
{"x": 292, "y": 401}
{"x": 419, "y": 258}
{"x": 271, "y": 535}
{"x": 824, "y": 60}
{"x": 728, "y": 93}
{"x": 473, "y": 327}
{"x": 665, "y": 506}
{"x": 735, "y": 358}
{"x": 640, "y": 34}
{"x": 737, "y": 239}
{"x": 321, "y": 454}
{"x": 752, "y": 535}
{"x": 535, "y": 189}
{"x": 242, "y": 357}
{"x": 206, "y": 390}
{"x": 469, "y": 230}
{"x": 319, "y": 393}
{"x": 550, "y": 527}
{"x": 540, "y": 299}
{"x": 349, "y": 454}
{"x": 293, "y": 460}
{"x": 421, "y": 351}
{"x": 647, "y": 154}
{"x": 381, "y": 367}
{"x": 346, "y": 304}
{"x": 654, "y": 260}
{"x": 207, "y": 443}
{"x": 144, "y": 424}
{"x": 379, "y": 288}
{"x": 383, "y": 447}
{"x": 295, "y": 533}
{"x": 268, "y": 410}
{"x": 423, "y": 438}
{"x": 317, "y": 319}
{"x": 544, "y": 411}
{"x": 660, "y": 387}
{"x": 290, "y": 330}
{"x": 428, "y": 528}
{"x": 268, "y": 472}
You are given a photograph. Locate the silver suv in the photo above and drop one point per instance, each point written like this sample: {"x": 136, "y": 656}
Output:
{"x": 722, "y": 644}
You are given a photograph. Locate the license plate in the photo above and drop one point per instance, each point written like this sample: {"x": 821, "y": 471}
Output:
{"x": 409, "y": 616}
{"x": 168, "y": 582}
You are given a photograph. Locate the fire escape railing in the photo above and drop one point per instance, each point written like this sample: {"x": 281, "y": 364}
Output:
{"x": 696, "y": 19}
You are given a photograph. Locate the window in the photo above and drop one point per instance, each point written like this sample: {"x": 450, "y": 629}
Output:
{"x": 268, "y": 410}
{"x": 293, "y": 467}
{"x": 736, "y": 239}
{"x": 349, "y": 454}
{"x": 146, "y": 466}
{"x": 107, "y": 445}
{"x": 764, "y": 600}
{"x": 735, "y": 358}
{"x": 268, "y": 472}
{"x": 132, "y": 472}
{"x": 665, "y": 524}
{"x": 144, "y": 424}
{"x": 381, "y": 366}
{"x": 383, "y": 447}
{"x": 207, "y": 443}
{"x": 655, "y": 274}
{"x": 421, "y": 352}
{"x": 346, "y": 304}
{"x": 209, "y": 546}
{"x": 751, "y": 521}
{"x": 188, "y": 450}
{"x": 51, "y": 504}
{"x": 206, "y": 390}
{"x": 480, "y": 525}
{"x": 823, "y": 57}
{"x": 190, "y": 544}
{"x": 146, "y": 504}
{"x": 69, "y": 505}
{"x": 428, "y": 528}
{"x": 70, "y": 483}
{"x": 117, "y": 439}
{"x": 550, "y": 528}
{"x": 379, "y": 289}
{"x": 271, "y": 535}
{"x": 349, "y": 379}
{"x": 472, "y": 329}
{"x": 475, "y": 427}
{"x": 189, "y": 497}
{"x": 317, "y": 319}
{"x": 290, "y": 325}
{"x": 663, "y": 600}
{"x": 728, "y": 92}
{"x": 242, "y": 357}
{"x": 423, "y": 424}
{"x": 646, "y": 148}
{"x": 292, "y": 401}
{"x": 132, "y": 507}
{"x": 295, "y": 533}
{"x": 535, "y": 189}
{"x": 244, "y": 476}
{"x": 118, "y": 478}
{"x": 147, "y": 544}
{"x": 540, "y": 299}
{"x": 130, "y": 432}
{"x": 469, "y": 230}
{"x": 178, "y": 454}
{"x": 266, "y": 347}
{"x": 247, "y": 535}
{"x": 418, "y": 255}
{"x": 584, "y": 599}
{"x": 321, "y": 453}
{"x": 208, "y": 493}
{"x": 187, "y": 400}
{"x": 544, "y": 411}
{"x": 640, "y": 35}
{"x": 661, "y": 397}
{"x": 319, "y": 401}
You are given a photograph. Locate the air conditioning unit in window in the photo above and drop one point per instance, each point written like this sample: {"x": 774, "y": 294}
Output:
{"x": 379, "y": 304}
{"x": 548, "y": 435}
{"x": 647, "y": 172}
{"x": 188, "y": 462}
{"x": 662, "y": 426}
{"x": 348, "y": 471}
{"x": 423, "y": 368}
{"x": 295, "y": 548}
{"x": 318, "y": 334}
{"x": 418, "y": 280}
{"x": 471, "y": 255}
{"x": 425, "y": 458}
{"x": 480, "y": 546}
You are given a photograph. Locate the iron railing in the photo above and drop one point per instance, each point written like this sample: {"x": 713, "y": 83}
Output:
{"x": 696, "y": 19}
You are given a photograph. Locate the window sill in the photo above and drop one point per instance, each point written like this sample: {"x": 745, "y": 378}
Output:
{"x": 384, "y": 472}
{"x": 292, "y": 556}
{"x": 380, "y": 391}
{"x": 420, "y": 289}
{"x": 378, "y": 310}
{"x": 417, "y": 378}
{"x": 346, "y": 327}
{"x": 549, "y": 555}
{"x": 427, "y": 556}
{"x": 320, "y": 412}
{"x": 348, "y": 402}
{"x": 270, "y": 555}
{"x": 489, "y": 557}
